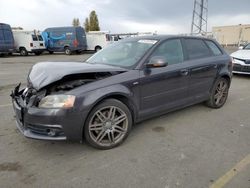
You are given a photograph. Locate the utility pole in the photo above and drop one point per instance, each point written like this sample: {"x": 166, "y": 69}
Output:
{"x": 199, "y": 21}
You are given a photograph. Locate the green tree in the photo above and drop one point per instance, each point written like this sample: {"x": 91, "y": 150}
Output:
{"x": 86, "y": 25}
{"x": 92, "y": 23}
{"x": 76, "y": 22}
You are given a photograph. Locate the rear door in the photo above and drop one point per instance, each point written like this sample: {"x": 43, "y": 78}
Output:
{"x": 203, "y": 68}
{"x": 166, "y": 87}
{"x": 38, "y": 42}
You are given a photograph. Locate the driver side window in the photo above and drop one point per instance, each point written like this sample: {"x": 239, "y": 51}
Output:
{"x": 171, "y": 50}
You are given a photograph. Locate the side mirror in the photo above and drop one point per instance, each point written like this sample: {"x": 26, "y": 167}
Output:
{"x": 157, "y": 62}
{"x": 241, "y": 48}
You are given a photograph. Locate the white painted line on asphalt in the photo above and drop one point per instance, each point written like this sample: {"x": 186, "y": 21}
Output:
{"x": 5, "y": 105}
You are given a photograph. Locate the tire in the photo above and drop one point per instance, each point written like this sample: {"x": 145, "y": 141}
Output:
{"x": 97, "y": 48}
{"x": 78, "y": 52}
{"x": 219, "y": 93}
{"x": 23, "y": 52}
{"x": 67, "y": 51}
{"x": 108, "y": 124}
{"x": 51, "y": 52}
{"x": 37, "y": 53}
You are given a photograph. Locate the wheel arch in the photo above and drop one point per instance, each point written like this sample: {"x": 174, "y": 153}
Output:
{"x": 226, "y": 76}
{"x": 124, "y": 98}
{"x": 97, "y": 47}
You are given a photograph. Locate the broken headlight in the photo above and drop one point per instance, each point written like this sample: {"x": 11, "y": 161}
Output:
{"x": 57, "y": 101}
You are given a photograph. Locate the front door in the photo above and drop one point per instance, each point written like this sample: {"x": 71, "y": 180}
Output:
{"x": 166, "y": 87}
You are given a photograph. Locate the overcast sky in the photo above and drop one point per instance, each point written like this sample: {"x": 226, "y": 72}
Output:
{"x": 163, "y": 16}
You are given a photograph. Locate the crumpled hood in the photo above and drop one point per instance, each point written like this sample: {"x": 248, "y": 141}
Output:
{"x": 45, "y": 73}
{"x": 241, "y": 54}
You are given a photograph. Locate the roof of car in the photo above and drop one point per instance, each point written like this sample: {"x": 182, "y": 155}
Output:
{"x": 163, "y": 37}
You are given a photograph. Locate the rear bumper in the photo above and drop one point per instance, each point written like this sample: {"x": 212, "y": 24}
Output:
{"x": 38, "y": 50}
{"x": 47, "y": 124}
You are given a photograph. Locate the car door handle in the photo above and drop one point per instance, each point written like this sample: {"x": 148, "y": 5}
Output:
{"x": 184, "y": 72}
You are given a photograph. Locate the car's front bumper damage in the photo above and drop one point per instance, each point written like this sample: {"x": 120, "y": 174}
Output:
{"x": 45, "y": 124}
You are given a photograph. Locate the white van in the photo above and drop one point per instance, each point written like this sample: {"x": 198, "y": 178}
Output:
{"x": 96, "y": 40}
{"x": 28, "y": 42}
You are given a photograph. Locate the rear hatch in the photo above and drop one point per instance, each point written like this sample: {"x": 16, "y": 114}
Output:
{"x": 37, "y": 42}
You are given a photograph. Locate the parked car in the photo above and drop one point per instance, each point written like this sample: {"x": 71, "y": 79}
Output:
{"x": 65, "y": 39}
{"x": 28, "y": 42}
{"x": 125, "y": 83}
{"x": 242, "y": 60}
{"x": 6, "y": 39}
{"x": 97, "y": 40}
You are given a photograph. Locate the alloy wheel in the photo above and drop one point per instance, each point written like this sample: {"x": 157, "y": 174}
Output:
{"x": 108, "y": 126}
{"x": 221, "y": 93}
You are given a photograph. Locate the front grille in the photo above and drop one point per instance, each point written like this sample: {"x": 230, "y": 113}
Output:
{"x": 45, "y": 130}
{"x": 241, "y": 68}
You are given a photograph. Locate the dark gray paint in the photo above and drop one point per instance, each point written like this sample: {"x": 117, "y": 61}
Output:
{"x": 147, "y": 92}
{"x": 45, "y": 73}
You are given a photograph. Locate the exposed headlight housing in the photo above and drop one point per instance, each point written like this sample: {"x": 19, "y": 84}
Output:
{"x": 57, "y": 101}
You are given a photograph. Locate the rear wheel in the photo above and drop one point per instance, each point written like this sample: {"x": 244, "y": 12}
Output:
{"x": 23, "y": 52}
{"x": 67, "y": 51}
{"x": 38, "y": 53}
{"x": 98, "y": 48}
{"x": 219, "y": 93}
{"x": 51, "y": 52}
{"x": 108, "y": 124}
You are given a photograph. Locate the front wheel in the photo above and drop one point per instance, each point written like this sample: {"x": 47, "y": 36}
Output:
{"x": 67, "y": 51}
{"x": 108, "y": 124}
{"x": 219, "y": 93}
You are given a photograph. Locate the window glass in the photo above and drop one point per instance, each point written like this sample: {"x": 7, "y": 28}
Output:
{"x": 1, "y": 35}
{"x": 40, "y": 37}
{"x": 196, "y": 48}
{"x": 213, "y": 47}
{"x": 171, "y": 50}
{"x": 247, "y": 47}
{"x": 34, "y": 37}
{"x": 125, "y": 53}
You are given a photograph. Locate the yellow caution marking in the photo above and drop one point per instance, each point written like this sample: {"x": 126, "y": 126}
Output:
{"x": 222, "y": 181}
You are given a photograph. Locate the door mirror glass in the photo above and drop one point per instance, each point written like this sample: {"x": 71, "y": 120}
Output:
{"x": 157, "y": 62}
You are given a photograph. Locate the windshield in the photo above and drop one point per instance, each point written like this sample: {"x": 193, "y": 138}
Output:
{"x": 247, "y": 47}
{"x": 123, "y": 53}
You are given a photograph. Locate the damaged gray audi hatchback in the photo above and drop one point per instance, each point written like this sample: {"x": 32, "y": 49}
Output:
{"x": 127, "y": 82}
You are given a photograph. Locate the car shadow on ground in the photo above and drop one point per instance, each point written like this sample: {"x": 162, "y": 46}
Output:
{"x": 157, "y": 124}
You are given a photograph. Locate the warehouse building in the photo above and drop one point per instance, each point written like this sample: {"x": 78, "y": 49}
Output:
{"x": 234, "y": 35}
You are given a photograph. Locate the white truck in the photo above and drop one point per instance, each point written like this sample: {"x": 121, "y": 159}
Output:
{"x": 96, "y": 40}
{"x": 28, "y": 42}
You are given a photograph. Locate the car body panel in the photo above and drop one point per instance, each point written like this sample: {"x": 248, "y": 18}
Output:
{"x": 147, "y": 92}
{"x": 241, "y": 61}
{"x": 45, "y": 73}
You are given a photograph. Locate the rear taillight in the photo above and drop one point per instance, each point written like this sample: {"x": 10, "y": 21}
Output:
{"x": 31, "y": 44}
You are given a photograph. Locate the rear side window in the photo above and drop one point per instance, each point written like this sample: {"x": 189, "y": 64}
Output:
{"x": 34, "y": 37}
{"x": 171, "y": 50}
{"x": 196, "y": 48}
{"x": 40, "y": 37}
{"x": 214, "y": 48}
